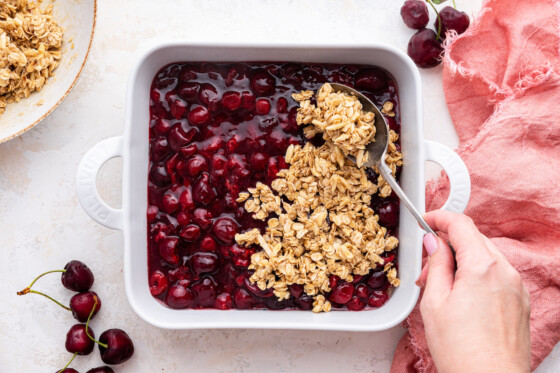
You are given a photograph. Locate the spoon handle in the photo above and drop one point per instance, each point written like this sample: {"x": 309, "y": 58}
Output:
{"x": 388, "y": 176}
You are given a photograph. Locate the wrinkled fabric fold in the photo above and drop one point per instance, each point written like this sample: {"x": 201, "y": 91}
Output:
{"x": 502, "y": 86}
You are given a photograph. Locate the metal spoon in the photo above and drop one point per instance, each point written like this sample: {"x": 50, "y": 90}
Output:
{"x": 378, "y": 150}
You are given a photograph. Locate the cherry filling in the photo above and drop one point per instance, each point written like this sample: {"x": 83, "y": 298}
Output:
{"x": 217, "y": 129}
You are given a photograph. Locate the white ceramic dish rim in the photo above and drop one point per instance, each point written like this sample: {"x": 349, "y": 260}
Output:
{"x": 133, "y": 148}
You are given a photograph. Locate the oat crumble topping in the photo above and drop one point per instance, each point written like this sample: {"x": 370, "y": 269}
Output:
{"x": 30, "y": 49}
{"x": 327, "y": 227}
{"x": 340, "y": 118}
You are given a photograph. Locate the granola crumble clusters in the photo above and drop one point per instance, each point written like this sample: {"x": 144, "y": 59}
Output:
{"x": 30, "y": 49}
{"x": 340, "y": 118}
{"x": 393, "y": 159}
{"x": 322, "y": 224}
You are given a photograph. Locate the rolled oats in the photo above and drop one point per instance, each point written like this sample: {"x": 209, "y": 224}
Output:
{"x": 387, "y": 109}
{"x": 339, "y": 117}
{"x": 30, "y": 49}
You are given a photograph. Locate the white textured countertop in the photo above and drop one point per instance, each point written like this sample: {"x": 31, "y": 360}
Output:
{"x": 43, "y": 225}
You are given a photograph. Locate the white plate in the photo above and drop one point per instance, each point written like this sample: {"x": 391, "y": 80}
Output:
{"x": 133, "y": 148}
{"x": 78, "y": 20}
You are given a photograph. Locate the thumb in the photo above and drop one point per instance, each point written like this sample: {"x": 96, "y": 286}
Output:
{"x": 441, "y": 269}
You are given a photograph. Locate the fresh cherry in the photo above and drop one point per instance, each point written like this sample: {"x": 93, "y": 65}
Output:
{"x": 333, "y": 281}
{"x": 208, "y": 96}
{"x": 258, "y": 161}
{"x": 377, "y": 279}
{"x": 305, "y": 302}
{"x": 377, "y": 298}
{"x": 296, "y": 290}
{"x": 262, "y": 83}
{"x": 262, "y": 106}
{"x": 452, "y": 19}
{"x": 362, "y": 291}
{"x": 205, "y": 291}
{"x": 425, "y": 49}
{"x": 158, "y": 282}
{"x": 170, "y": 203}
{"x": 179, "y": 296}
{"x": 202, "y": 217}
{"x": 178, "y": 137}
{"x": 197, "y": 164}
{"x": 208, "y": 244}
{"x": 159, "y": 148}
{"x": 415, "y": 14}
{"x": 243, "y": 299}
{"x": 355, "y": 304}
{"x": 119, "y": 347}
{"x": 203, "y": 263}
{"x": 231, "y": 101}
{"x": 81, "y": 305}
{"x": 190, "y": 233}
{"x": 178, "y": 108}
{"x": 247, "y": 100}
{"x": 187, "y": 151}
{"x": 186, "y": 199}
{"x": 159, "y": 175}
{"x": 103, "y": 369}
{"x": 151, "y": 213}
{"x": 77, "y": 276}
{"x": 198, "y": 116}
{"x": 77, "y": 340}
{"x": 342, "y": 292}
{"x": 388, "y": 214}
{"x": 371, "y": 79}
{"x": 188, "y": 90}
{"x": 183, "y": 218}
{"x": 188, "y": 72}
{"x": 168, "y": 249}
{"x": 203, "y": 191}
{"x": 253, "y": 288}
{"x": 223, "y": 301}
{"x": 282, "y": 105}
{"x": 163, "y": 126}
{"x": 225, "y": 229}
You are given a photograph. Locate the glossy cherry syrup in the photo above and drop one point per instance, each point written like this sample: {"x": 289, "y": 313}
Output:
{"x": 217, "y": 129}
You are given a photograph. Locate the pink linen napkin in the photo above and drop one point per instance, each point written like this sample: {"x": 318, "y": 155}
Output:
{"x": 502, "y": 85}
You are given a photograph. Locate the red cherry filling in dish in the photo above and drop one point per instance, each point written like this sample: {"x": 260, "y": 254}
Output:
{"x": 217, "y": 129}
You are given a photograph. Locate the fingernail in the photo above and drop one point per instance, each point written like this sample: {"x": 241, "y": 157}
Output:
{"x": 430, "y": 243}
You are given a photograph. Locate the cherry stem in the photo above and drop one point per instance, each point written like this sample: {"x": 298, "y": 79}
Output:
{"x": 70, "y": 362}
{"x": 104, "y": 345}
{"x": 438, "y": 18}
{"x": 27, "y": 290}
{"x": 454, "y": 6}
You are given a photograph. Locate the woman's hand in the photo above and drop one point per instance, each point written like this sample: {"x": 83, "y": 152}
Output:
{"x": 476, "y": 319}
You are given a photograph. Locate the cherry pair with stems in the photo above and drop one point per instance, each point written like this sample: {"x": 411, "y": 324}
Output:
{"x": 426, "y": 45}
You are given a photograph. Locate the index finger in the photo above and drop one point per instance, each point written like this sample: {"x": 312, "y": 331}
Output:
{"x": 465, "y": 237}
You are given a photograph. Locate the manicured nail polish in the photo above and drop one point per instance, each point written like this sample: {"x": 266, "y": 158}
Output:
{"x": 430, "y": 243}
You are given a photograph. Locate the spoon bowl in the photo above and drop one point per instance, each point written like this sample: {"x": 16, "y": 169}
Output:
{"x": 377, "y": 149}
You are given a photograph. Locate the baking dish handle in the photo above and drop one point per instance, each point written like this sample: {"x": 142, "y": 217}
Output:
{"x": 86, "y": 185}
{"x": 454, "y": 167}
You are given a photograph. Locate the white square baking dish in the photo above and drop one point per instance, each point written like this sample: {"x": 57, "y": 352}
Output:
{"x": 133, "y": 147}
